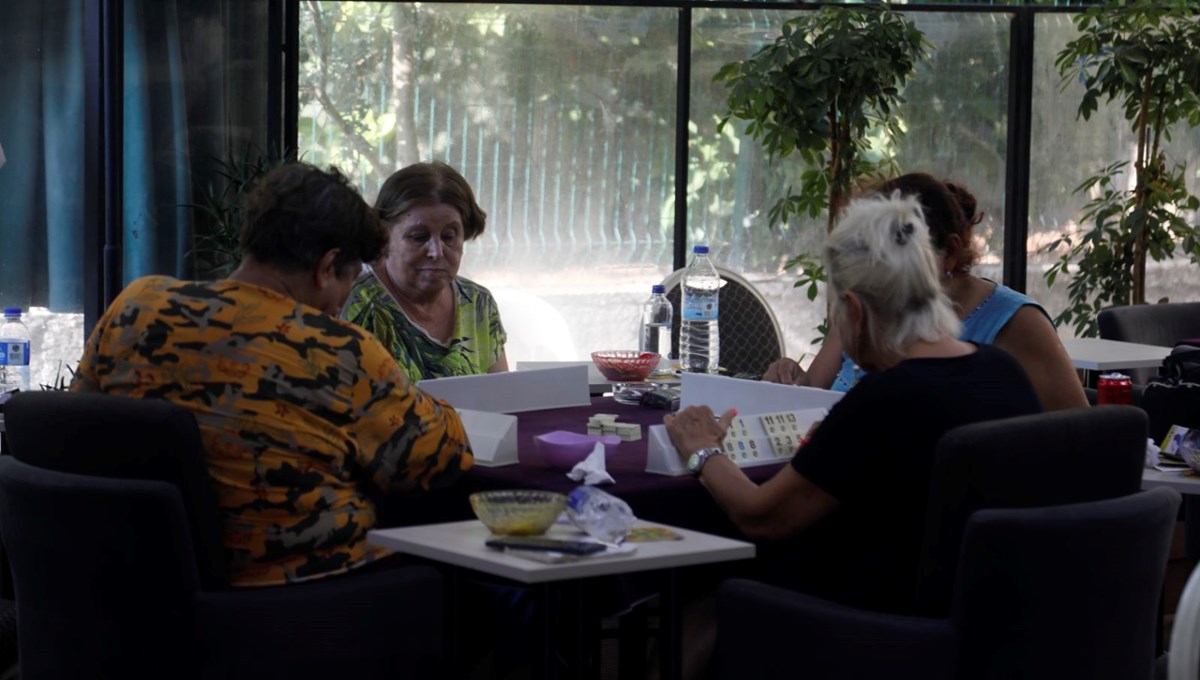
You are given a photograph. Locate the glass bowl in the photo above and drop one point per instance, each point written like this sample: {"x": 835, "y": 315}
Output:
{"x": 518, "y": 512}
{"x": 625, "y": 365}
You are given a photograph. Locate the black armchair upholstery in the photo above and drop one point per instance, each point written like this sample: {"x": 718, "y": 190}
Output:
{"x": 104, "y": 577}
{"x": 1066, "y": 591}
{"x": 1055, "y": 458}
{"x": 764, "y": 632}
{"x": 96, "y": 516}
{"x": 1162, "y": 324}
{"x": 103, "y": 436}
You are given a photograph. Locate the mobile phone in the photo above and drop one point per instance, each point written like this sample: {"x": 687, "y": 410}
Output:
{"x": 545, "y": 544}
{"x": 666, "y": 398}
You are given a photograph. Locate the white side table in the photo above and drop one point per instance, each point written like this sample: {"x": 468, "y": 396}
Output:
{"x": 461, "y": 544}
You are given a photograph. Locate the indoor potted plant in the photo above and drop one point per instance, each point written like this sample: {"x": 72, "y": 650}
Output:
{"x": 823, "y": 89}
{"x": 215, "y": 251}
{"x": 1142, "y": 55}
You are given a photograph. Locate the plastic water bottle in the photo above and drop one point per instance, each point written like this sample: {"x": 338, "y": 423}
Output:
{"x": 656, "y": 325}
{"x": 699, "y": 342}
{"x": 14, "y": 352}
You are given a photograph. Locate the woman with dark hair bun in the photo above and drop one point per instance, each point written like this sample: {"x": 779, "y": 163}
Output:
{"x": 991, "y": 313}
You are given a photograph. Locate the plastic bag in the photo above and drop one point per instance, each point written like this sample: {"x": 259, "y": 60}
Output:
{"x": 600, "y": 514}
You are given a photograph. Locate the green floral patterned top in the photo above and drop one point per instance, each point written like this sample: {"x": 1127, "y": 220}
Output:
{"x": 477, "y": 342}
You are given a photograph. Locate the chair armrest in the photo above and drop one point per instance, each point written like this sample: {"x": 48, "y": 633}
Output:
{"x": 375, "y": 624}
{"x": 764, "y": 631}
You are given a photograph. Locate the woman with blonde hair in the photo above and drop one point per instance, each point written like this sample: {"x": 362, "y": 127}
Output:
{"x": 855, "y": 492}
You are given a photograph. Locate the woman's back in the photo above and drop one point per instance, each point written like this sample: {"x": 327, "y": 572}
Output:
{"x": 874, "y": 453}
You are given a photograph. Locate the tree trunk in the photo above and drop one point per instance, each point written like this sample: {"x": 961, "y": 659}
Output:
{"x": 401, "y": 97}
{"x": 834, "y": 160}
{"x": 1141, "y": 188}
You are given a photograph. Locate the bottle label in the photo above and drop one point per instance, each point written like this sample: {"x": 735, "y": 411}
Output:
{"x": 14, "y": 352}
{"x": 702, "y": 309}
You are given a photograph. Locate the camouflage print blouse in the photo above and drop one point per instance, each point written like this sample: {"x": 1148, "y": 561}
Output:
{"x": 476, "y": 344}
{"x": 299, "y": 412}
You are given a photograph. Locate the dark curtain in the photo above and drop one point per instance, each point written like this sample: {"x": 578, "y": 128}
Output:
{"x": 41, "y": 130}
{"x": 195, "y": 92}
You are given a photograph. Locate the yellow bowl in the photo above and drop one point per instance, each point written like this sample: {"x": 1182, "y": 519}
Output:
{"x": 518, "y": 512}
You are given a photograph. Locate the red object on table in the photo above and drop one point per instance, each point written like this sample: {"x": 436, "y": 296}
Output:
{"x": 1114, "y": 388}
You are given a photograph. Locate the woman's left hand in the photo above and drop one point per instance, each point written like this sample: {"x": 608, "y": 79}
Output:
{"x": 695, "y": 428}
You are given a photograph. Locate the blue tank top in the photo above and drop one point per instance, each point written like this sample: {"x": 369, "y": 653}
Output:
{"x": 981, "y": 327}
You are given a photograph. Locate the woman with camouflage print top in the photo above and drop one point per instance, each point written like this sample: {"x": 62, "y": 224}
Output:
{"x": 300, "y": 412}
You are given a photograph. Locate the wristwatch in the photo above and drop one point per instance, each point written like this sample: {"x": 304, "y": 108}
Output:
{"x": 697, "y": 460}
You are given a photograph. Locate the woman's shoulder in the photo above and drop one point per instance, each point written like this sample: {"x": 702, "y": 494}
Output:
{"x": 368, "y": 298}
{"x": 986, "y": 359}
{"x": 997, "y": 309}
{"x": 474, "y": 296}
{"x": 366, "y": 284}
{"x": 472, "y": 289}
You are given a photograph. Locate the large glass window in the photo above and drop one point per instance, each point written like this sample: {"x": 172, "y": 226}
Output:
{"x": 1066, "y": 151}
{"x": 955, "y": 116}
{"x": 563, "y": 118}
{"x": 563, "y": 121}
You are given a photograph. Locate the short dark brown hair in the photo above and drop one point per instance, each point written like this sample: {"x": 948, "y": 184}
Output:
{"x": 430, "y": 184}
{"x": 298, "y": 212}
{"x": 949, "y": 210}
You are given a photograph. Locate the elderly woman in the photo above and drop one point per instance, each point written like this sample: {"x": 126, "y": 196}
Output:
{"x": 303, "y": 416}
{"x": 855, "y": 492}
{"x": 991, "y": 313}
{"x": 435, "y": 322}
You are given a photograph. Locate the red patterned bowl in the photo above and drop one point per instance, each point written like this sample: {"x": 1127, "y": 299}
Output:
{"x": 625, "y": 365}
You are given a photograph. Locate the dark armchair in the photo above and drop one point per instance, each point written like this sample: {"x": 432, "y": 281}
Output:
{"x": 1162, "y": 324}
{"x": 102, "y": 512}
{"x": 1055, "y": 592}
{"x": 1056, "y": 458}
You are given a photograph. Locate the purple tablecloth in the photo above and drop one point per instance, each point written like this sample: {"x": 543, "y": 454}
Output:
{"x": 679, "y": 501}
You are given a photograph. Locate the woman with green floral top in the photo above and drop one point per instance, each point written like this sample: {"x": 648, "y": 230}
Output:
{"x": 435, "y": 322}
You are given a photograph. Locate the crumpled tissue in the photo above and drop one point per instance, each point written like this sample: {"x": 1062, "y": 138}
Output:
{"x": 1152, "y": 452}
{"x": 591, "y": 470}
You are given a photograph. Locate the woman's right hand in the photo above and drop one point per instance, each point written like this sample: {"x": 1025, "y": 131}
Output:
{"x": 785, "y": 371}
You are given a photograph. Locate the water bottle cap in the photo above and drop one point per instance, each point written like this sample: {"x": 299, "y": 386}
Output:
{"x": 657, "y": 288}
{"x": 700, "y": 250}
{"x": 12, "y": 311}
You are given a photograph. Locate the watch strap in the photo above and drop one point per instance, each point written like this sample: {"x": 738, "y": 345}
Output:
{"x": 702, "y": 457}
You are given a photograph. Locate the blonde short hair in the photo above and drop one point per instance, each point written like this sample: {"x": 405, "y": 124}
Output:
{"x": 880, "y": 250}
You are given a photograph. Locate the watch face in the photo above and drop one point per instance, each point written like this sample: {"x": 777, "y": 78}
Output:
{"x": 693, "y": 464}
